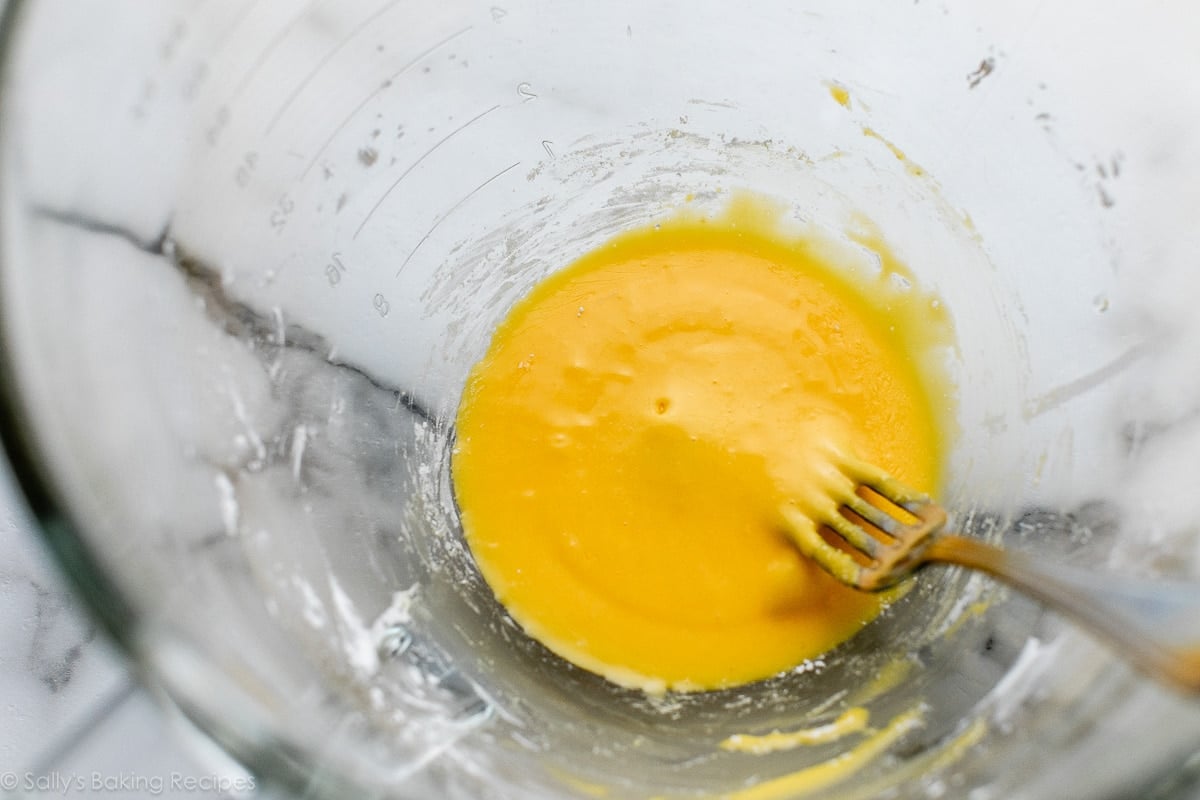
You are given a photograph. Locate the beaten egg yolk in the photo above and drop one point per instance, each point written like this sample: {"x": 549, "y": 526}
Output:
{"x": 627, "y": 442}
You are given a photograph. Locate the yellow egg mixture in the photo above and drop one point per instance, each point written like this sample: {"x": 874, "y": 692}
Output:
{"x": 627, "y": 447}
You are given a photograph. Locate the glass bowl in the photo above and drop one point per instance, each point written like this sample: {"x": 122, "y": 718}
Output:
{"x": 248, "y": 252}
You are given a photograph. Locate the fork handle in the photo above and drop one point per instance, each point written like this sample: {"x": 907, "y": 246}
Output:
{"x": 1153, "y": 623}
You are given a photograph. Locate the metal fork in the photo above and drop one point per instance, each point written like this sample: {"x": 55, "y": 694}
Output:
{"x": 874, "y": 532}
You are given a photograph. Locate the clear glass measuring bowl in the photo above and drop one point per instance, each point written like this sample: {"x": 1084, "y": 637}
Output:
{"x": 251, "y": 249}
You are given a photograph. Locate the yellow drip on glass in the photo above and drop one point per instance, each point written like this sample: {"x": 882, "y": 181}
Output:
{"x": 625, "y": 446}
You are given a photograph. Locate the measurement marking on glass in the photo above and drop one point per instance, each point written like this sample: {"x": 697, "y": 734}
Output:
{"x": 452, "y": 209}
{"x": 266, "y": 52}
{"x": 325, "y": 60}
{"x": 374, "y": 93}
{"x": 417, "y": 163}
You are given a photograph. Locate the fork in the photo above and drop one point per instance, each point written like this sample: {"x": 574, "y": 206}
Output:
{"x": 873, "y": 532}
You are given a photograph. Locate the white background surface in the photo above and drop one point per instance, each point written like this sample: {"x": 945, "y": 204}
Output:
{"x": 75, "y": 723}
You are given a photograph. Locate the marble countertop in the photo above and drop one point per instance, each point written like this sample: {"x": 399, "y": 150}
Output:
{"x": 76, "y": 723}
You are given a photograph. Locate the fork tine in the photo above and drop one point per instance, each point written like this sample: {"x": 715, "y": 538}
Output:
{"x": 885, "y": 486}
{"x": 875, "y": 516}
{"x": 853, "y": 533}
{"x": 804, "y": 533}
{"x": 896, "y": 492}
